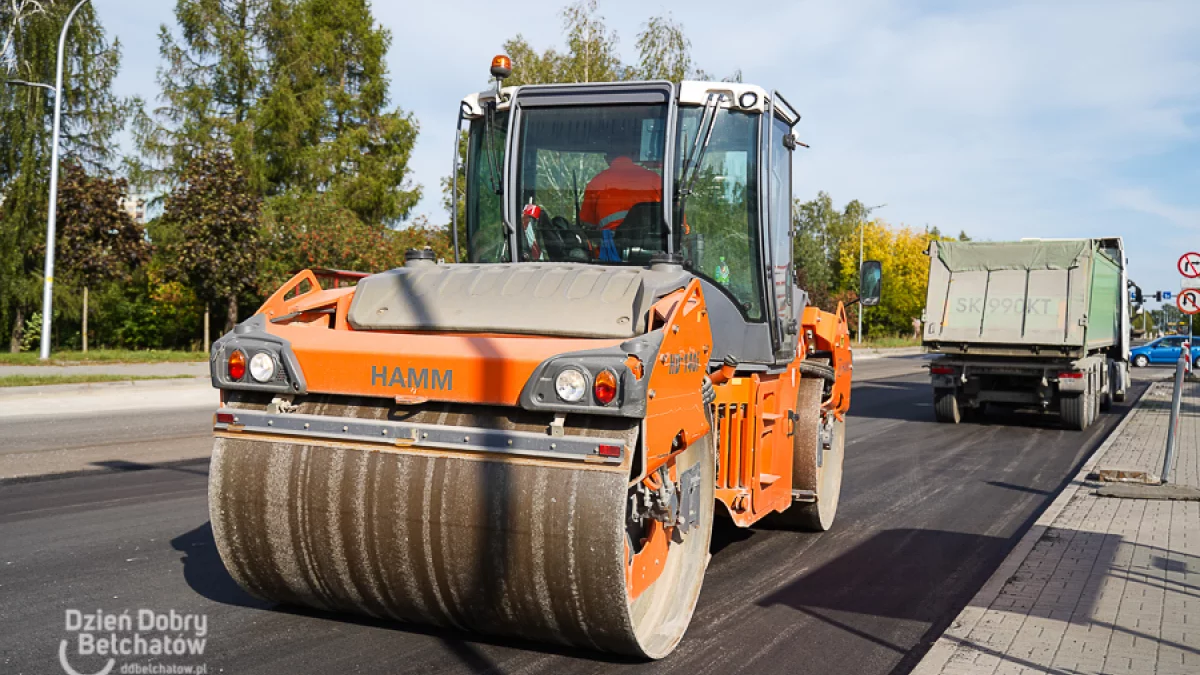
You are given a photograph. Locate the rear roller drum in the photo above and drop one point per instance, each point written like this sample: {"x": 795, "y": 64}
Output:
{"x": 818, "y": 448}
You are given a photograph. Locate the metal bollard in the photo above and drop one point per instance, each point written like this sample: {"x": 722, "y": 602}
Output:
{"x": 1176, "y": 399}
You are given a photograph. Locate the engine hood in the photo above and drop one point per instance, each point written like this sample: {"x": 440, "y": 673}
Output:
{"x": 550, "y": 299}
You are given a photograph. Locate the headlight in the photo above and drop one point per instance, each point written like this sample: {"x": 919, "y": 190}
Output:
{"x": 571, "y": 385}
{"x": 262, "y": 367}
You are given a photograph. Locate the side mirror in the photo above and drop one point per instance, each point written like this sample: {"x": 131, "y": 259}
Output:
{"x": 870, "y": 286}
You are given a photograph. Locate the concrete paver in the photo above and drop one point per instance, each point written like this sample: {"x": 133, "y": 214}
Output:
{"x": 1100, "y": 584}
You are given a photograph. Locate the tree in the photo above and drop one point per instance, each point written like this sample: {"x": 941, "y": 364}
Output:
{"x": 821, "y": 233}
{"x": 324, "y": 123}
{"x": 98, "y": 240}
{"x": 91, "y": 114}
{"x": 664, "y": 52}
{"x": 962, "y": 236}
{"x": 905, "y": 275}
{"x": 215, "y": 247}
{"x": 210, "y": 84}
{"x": 308, "y": 231}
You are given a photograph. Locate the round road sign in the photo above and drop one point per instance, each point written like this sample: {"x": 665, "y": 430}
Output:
{"x": 1189, "y": 265}
{"x": 1189, "y": 301}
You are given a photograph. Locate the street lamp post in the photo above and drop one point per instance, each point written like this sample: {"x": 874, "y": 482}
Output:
{"x": 51, "y": 222}
{"x": 862, "y": 226}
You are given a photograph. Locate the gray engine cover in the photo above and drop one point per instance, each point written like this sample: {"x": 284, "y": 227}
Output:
{"x": 562, "y": 299}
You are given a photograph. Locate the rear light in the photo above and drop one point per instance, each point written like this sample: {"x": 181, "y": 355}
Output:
{"x": 941, "y": 370}
{"x": 237, "y": 365}
{"x": 1070, "y": 376}
{"x": 609, "y": 450}
{"x": 605, "y": 387}
{"x": 225, "y": 418}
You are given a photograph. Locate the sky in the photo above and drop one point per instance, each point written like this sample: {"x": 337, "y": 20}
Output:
{"x": 1001, "y": 119}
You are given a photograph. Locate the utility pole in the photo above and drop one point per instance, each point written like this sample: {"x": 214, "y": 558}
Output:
{"x": 51, "y": 218}
{"x": 862, "y": 225}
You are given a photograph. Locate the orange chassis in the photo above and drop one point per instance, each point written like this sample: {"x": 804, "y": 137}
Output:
{"x": 752, "y": 413}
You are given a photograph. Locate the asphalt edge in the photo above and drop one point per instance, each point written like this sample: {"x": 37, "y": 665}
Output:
{"x": 76, "y": 387}
{"x": 866, "y": 353}
{"x": 935, "y": 660}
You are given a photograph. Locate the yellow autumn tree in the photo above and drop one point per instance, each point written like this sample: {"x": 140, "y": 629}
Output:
{"x": 901, "y": 250}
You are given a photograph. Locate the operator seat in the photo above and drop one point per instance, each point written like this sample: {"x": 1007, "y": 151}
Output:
{"x": 643, "y": 232}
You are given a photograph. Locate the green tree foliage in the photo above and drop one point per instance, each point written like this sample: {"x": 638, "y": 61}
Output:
{"x": 591, "y": 55}
{"x": 324, "y": 122}
{"x": 98, "y": 241}
{"x": 211, "y": 78}
{"x": 314, "y": 231}
{"x": 821, "y": 231}
{"x": 215, "y": 247}
{"x": 91, "y": 115}
{"x": 664, "y": 51}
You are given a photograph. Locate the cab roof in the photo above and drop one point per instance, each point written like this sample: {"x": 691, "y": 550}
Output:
{"x": 739, "y": 96}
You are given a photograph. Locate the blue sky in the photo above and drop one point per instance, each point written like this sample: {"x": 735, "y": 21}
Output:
{"x": 1004, "y": 119}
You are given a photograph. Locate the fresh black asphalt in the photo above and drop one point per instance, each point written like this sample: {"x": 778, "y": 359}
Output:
{"x": 928, "y": 512}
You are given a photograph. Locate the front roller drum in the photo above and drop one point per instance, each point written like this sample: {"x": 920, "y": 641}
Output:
{"x": 519, "y": 547}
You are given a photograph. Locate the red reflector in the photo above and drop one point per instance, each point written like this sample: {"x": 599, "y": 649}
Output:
{"x": 237, "y": 365}
{"x": 224, "y": 418}
{"x": 1070, "y": 376}
{"x": 941, "y": 370}
{"x": 609, "y": 450}
{"x": 605, "y": 389}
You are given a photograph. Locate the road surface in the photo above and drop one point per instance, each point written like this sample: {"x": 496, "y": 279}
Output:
{"x": 927, "y": 513}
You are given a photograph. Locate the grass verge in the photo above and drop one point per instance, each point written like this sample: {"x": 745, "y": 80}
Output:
{"x": 892, "y": 342}
{"x": 103, "y": 356}
{"x": 38, "y": 380}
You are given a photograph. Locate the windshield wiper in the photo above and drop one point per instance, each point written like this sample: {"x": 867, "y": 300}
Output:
{"x": 691, "y": 166}
{"x": 489, "y": 132}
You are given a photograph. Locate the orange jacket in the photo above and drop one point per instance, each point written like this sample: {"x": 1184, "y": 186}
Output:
{"x": 614, "y": 191}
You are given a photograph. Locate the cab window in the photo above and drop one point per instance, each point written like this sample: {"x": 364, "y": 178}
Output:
{"x": 719, "y": 232}
{"x": 486, "y": 242}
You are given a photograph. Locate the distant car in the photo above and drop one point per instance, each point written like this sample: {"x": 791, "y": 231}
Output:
{"x": 1163, "y": 350}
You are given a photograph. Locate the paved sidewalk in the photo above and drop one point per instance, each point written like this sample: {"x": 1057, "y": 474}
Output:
{"x": 1098, "y": 585}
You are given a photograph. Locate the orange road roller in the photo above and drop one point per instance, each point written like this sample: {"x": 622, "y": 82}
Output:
{"x": 534, "y": 441}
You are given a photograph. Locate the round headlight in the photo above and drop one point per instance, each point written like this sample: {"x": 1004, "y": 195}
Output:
{"x": 570, "y": 385}
{"x": 262, "y": 367}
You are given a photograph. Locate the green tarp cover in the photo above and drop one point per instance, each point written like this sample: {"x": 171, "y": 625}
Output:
{"x": 1017, "y": 255}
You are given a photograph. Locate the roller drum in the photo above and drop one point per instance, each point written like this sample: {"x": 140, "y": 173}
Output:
{"x": 503, "y": 546}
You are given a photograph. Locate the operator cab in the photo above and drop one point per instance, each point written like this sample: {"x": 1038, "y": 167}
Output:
{"x": 721, "y": 153}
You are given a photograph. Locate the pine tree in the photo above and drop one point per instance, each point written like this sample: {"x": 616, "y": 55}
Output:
{"x": 91, "y": 115}
{"x": 213, "y": 73}
{"x": 325, "y": 124}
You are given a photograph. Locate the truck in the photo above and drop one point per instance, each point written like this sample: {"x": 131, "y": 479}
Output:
{"x": 533, "y": 440}
{"x": 1037, "y": 323}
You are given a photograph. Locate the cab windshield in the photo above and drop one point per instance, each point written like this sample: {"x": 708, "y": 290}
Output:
{"x": 589, "y": 184}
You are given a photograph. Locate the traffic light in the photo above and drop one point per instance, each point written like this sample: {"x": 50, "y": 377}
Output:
{"x": 1158, "y": 296}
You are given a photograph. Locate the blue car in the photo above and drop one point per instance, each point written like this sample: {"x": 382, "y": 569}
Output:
{"x": 1164, "y": 350}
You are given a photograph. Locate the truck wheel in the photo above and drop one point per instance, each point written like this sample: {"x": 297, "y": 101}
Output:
{"x": 1106, "y": 387}
{"x": 945, "y": 406}
{"x": 1141, "y": 360}
{"x": 814, "y": 467}
{"x": 1074, "y": 410}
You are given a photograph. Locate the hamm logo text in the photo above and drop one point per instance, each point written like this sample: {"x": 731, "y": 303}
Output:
{"x": 413, "y": 378}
